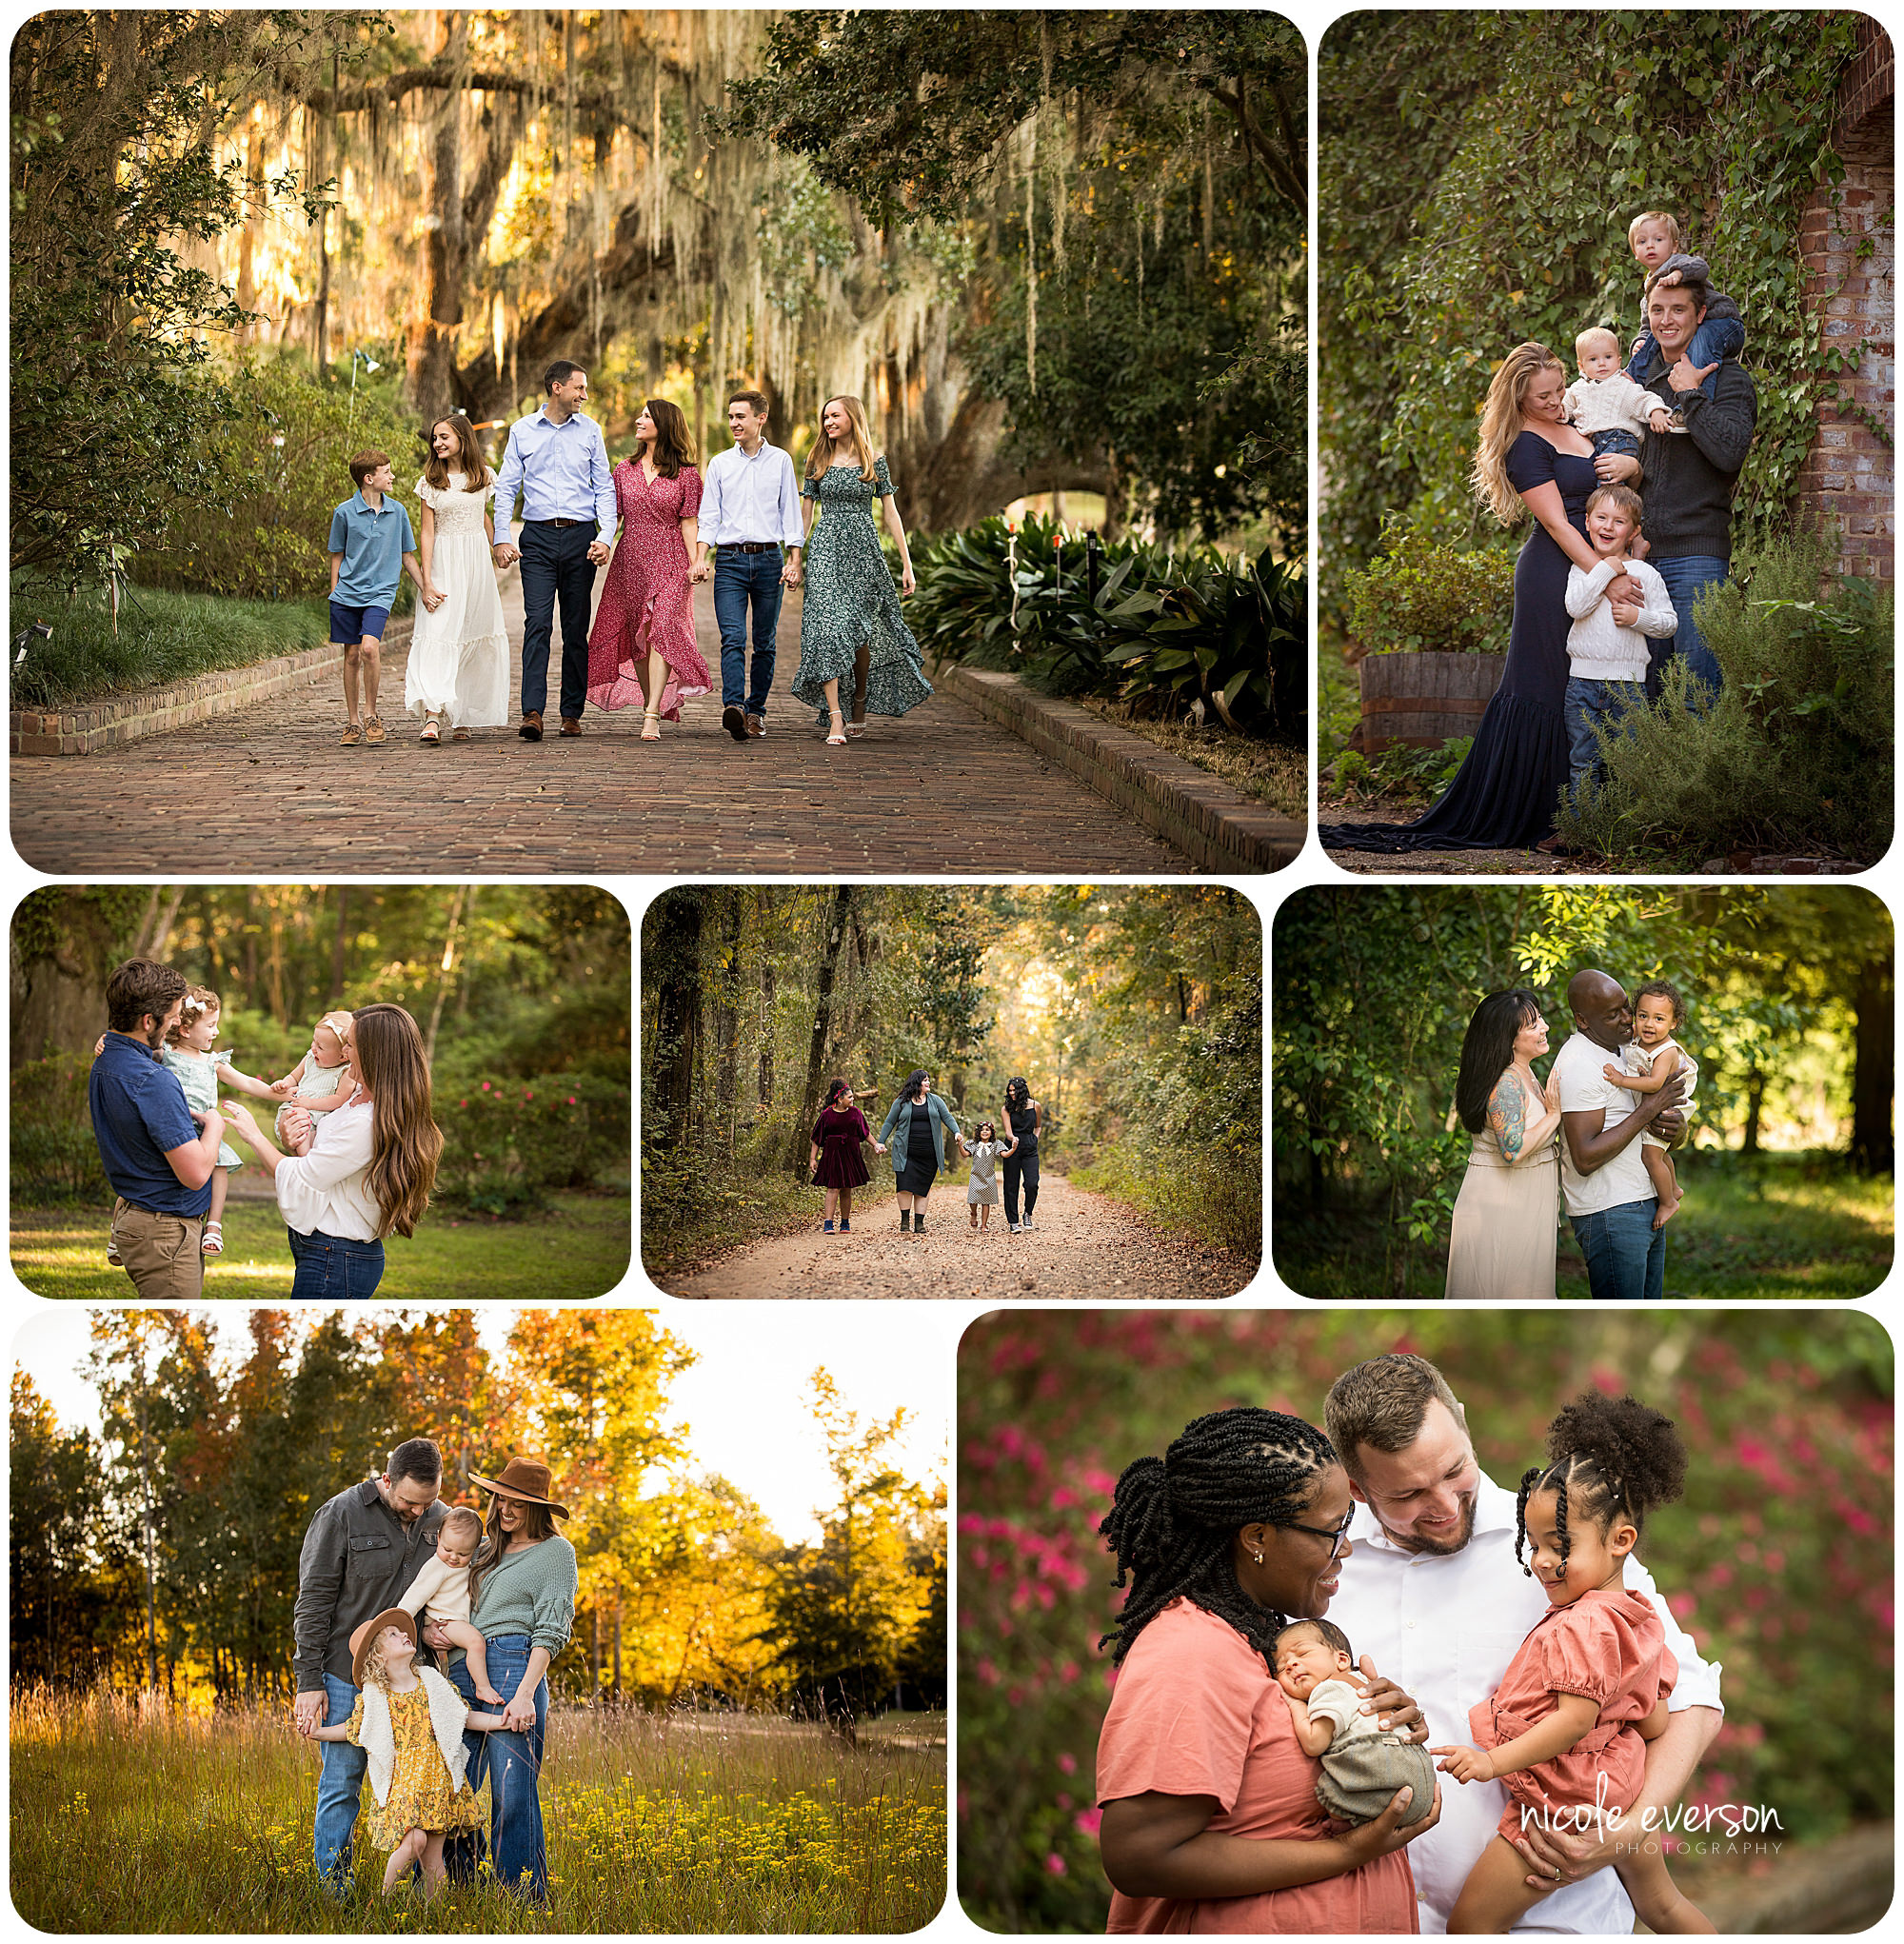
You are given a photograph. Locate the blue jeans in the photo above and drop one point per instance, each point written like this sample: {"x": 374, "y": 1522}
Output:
{"x": 556, "y": 565}
{"x": 330, "y": 1266}
{"x": 1687, "y": 576}
{"x": 340, "y": 1783}
{"x": 1715, "y": 340}
{"x": 1626, "y": 1255}
{"x": 739, "y": 580}
{"x": 1615, "y": 439}
{"x": 513, "y": 1764}
{"x": 1588, "y": 702}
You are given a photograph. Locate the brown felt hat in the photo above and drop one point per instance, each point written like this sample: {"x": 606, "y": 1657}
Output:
{"x": 523, "y": 1479}
{"x": 362, "y": 1637}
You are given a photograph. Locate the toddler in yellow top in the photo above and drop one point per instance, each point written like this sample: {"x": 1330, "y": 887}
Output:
{"x": 408, "y": 1721}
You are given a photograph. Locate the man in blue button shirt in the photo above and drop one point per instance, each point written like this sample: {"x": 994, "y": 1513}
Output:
{"x": 160, "y": 1163}
{"x": 558, "y": 461}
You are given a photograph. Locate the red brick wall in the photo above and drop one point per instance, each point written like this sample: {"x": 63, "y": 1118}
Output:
{"x": 1848, "y": 476}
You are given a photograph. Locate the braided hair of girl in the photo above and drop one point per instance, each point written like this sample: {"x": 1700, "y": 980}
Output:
{"x": 1606, "y": 1458}
{"x": 1174, "y": 1519}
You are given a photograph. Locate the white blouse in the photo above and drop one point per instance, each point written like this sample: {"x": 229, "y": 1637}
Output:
{"x": 325, "y": 1189}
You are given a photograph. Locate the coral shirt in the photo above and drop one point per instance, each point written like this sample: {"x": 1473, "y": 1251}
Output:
{"x": 1196, "y": 1711}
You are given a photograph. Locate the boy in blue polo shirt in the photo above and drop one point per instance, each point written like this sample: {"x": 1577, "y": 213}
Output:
{"x": 371, "y": 548}
{"x": 159, "y": 1162}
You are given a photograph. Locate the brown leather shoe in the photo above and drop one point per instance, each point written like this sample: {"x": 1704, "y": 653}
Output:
{"x": 572, "y": 725}
{"x": 530, "y": 730}
{"x": 757, "y": 726}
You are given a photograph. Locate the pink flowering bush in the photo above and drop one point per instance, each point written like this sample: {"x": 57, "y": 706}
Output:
{"x": 1778, "y": 1562}
{"x": 508, "y": 1143}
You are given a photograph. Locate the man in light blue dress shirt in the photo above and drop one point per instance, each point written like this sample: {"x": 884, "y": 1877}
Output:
{"x": 750, "y": 512}
{"x": 558, "y": 461}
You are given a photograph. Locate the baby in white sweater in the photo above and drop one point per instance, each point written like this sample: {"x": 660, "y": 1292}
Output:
{"x": 441, "y": 1592}
{"x": 1606, "y": 403}
{"x": 1606, "y": 646}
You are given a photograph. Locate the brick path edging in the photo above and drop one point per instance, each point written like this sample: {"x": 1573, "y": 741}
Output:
{"x": 155, "y": 711}
{"x": 1218, "y": 827}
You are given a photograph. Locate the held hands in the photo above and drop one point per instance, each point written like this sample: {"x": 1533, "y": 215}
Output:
{"x": 789, "y": 575}
{"x": 504, "y": 555}
{"x": 1466, "y": 1764}
{"x": 879, "y": 1148}
{"x": 519, "y": 1716}
{"x": 700, "y": 571}
{"x": 308, "y": 1711}
{"x": 284, "y": 1089}
{"x": 598, "y": 552}
{"x": 432, "y": 598}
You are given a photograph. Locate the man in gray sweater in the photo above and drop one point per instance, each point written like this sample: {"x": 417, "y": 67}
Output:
{"x": 1687, "y": 478}
{"x": 361, "y": 1552}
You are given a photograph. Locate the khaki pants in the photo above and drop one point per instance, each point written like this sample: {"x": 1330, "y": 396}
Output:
{"x": 160, "y": 1252}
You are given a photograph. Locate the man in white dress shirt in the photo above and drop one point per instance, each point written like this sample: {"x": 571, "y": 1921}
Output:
{"x": 751, "y": 513}
{"x": 1432, "y": 1594}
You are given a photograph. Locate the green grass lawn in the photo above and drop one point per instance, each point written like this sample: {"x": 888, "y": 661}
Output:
{"x": 1783, "y": 1227}
{"x": 578, "y": 1250}
{"x": 162, "y": 637}
{"x": 126, "y": 1819}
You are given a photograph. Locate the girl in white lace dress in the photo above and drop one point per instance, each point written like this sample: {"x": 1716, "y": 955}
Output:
{"x": 459, "y": 665}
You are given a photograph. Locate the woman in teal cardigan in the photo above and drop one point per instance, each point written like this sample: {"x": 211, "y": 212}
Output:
{"x": 916, "y": 1130}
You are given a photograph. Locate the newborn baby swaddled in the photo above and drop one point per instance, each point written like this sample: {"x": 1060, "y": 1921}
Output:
{"x": 1363, "y": 1767}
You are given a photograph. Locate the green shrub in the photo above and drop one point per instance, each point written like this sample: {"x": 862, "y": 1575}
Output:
{"x": 507, "y": 1146}
{"x": 1164, "y": 631}
{"x": 1796, "y": 752}
{"x": 1418, "y": 593}
{"x": 52, "y": 1156}
{"x": 257, "y": 521}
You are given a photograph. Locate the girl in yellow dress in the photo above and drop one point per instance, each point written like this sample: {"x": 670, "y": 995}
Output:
{"x": 409, "y": 1721}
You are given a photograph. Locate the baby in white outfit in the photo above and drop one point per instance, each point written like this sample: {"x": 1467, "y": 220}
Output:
{"x": 1652, "y": 1059}
{"x": 440, "y": 1593}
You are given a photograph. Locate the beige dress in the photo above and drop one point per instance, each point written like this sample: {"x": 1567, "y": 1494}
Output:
{"x": 1506, "y": 1219}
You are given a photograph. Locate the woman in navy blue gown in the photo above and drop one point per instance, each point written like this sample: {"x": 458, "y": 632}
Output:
{"x": 1528, "y": 460}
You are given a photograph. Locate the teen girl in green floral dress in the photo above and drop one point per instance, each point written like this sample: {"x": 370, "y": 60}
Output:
{"x": 849, "y": 623}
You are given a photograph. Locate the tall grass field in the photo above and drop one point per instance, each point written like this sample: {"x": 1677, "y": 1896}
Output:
{"x": 150, "y": 1820}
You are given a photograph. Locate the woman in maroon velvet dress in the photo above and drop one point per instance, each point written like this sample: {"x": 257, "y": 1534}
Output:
{"x": 642, "y": 647}
{"x": 838, "y": 1164}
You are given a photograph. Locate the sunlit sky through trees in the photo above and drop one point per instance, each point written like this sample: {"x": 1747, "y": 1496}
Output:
{"x": 745, "y": 1404}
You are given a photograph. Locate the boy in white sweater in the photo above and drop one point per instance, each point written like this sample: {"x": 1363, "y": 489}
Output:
{"x": 1606, "y": 646}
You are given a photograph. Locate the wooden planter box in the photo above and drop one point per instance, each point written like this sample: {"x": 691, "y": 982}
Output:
{"x": 1422, "y": 698}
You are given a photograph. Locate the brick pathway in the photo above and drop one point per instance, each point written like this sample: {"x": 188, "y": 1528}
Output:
{"x": 265, "y": 791}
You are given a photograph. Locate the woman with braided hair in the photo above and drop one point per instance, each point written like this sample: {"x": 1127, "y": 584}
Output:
{"x": 1566, "y": 1731}
{"x": 1211, "y": 1820}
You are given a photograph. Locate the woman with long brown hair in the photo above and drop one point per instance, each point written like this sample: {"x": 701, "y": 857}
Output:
{"x": 366, "y": 1171}
{"x": 642, "y": 647}
{"x": 1528, "y": 460}
{"x": 850, "y": 622}
{"x": 459, "y": 662}
{"x": 522, "y": 1583}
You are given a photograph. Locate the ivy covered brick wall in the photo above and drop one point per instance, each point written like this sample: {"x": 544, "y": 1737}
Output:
{"x": 1848, "y": 237}
{"x": 1478, "y": 172}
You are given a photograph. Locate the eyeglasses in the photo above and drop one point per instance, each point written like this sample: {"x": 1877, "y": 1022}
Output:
{"x": 1334, "y": 1535}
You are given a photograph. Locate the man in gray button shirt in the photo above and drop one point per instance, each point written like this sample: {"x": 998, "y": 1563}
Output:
{"x": 361, "y": 1552}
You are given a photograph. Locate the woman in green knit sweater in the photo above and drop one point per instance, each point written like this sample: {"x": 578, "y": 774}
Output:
{"x": 523, "y": 1585}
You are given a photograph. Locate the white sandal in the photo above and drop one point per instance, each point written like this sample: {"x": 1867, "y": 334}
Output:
{"x": 650, "y": 725}
{"x": 838, "y": 739}
{"x": 213, "y": 1243}
{"x": 431, "y": 731}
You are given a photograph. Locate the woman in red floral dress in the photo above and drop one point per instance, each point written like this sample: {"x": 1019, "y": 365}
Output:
{"x": 642, "y": 647}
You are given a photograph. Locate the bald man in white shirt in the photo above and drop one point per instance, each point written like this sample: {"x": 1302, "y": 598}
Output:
{"x": 1432, "y": 1592}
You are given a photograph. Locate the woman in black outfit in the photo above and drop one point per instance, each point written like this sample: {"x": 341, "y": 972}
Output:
{"x": 916, "y": 1126}
{"x": 1528, "y": 460}
{"x": 1022, "y": 1116}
